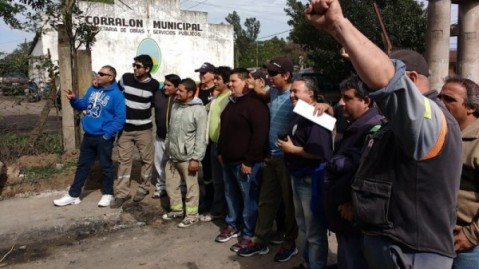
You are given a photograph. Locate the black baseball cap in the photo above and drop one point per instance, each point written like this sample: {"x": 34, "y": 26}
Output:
{"x": 206, "y": 67}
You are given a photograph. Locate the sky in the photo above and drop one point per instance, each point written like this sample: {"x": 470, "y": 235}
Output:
{"x": 270, "y": 13}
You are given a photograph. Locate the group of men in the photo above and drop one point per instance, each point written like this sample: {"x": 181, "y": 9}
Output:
{"x": 400, "y": 189}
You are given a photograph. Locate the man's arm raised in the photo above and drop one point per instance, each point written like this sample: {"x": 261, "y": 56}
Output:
{"x": 372, "y": 65}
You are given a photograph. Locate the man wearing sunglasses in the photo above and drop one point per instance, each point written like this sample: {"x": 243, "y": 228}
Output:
{"x": 276, "y": 185}
{"x": 139, "y": 88}
{"x": 104, "y": 116}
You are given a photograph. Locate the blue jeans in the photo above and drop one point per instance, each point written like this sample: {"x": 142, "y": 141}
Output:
{"x": 468, "y": 259}
{"x": 242, "y": 193}
{"x": 383, "y": 253}
{"x": 350, "y": 251}
{"x": 315, "y": 250}
{"x": 92, "y": 147}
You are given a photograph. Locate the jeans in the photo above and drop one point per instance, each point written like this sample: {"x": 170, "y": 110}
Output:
{"x": 315, "y": 250}
{"x": 242, "y": 192}
{"x": 161, "y": 157}
{"x": 468, "y": 259}
{"x": 350, "y": 252}
{"x": 92, "y": 147}
{"x": 383, "y": 253}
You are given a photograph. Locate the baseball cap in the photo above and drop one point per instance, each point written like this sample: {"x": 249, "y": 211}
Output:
{"x": 413, "y": 61}
{"x": 280, "y": 64}
{"x": 260, "y": 74}
{"x": 206, "y": 67}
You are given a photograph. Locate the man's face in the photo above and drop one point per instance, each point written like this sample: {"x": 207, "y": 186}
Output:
{"x": 220, "y": 83}
{"x": 236, "y": 85}
{"x": 278, "y": 80}
{"x": 182, "y": 95}
{"x": 300, "y": 92}
{"x": 139, "y": 70}
{"x": 169, "y": 88}
{"x": 104, "y": 77}
{"x": 206, "y": 77}
{"x": 353, "y": 107}
{"x": 453, "y": 95}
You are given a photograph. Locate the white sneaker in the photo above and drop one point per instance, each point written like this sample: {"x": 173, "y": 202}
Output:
{"x": 105, "y": 200}
{"x": 67, "y": 200}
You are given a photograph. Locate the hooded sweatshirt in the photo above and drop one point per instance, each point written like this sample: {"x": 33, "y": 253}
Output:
{"x": 186, "y": 137}
{"x": 104, "y": 110}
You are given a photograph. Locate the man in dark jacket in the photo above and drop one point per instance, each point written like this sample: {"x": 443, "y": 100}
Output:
{"x": 405, "y": 190}
{"x": 362, "y": 119}
{"x": 163, "y": 100}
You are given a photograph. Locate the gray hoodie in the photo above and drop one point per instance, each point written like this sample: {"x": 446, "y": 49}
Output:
{"x": 185, "y": 139}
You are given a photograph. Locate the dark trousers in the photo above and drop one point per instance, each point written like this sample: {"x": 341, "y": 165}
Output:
{"x": 91, "y": 148}
{"x": 275, "y": 189}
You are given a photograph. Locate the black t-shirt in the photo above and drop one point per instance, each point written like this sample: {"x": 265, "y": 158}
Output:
{"x": 206, "y": 95}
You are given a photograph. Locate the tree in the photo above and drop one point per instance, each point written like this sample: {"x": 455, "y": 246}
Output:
{"x": 245, "y": 39}
{"x": 16, "y": 61}
{"x": 404, "y": 20}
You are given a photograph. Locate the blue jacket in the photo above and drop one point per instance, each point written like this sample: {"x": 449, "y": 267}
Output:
{"x": 104, "y": 110}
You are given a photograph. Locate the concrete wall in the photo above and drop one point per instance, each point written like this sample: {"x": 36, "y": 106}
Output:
{"x": 133, "y": 27}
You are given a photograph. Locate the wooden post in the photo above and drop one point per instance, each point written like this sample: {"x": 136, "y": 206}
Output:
{"x": 64, "y": 62}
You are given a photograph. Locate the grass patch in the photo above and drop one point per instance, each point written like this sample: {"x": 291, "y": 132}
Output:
{"x": 37, "y": 173}
{"x": 13, "y": 146}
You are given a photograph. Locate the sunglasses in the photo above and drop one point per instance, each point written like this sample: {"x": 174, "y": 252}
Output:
{"x": 103, "y": 74}
{"x": 137, "y": 66}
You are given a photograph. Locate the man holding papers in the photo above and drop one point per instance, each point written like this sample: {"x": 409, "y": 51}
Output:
{"x": 305, "y": 147}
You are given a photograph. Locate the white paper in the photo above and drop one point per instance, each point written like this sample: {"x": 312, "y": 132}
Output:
{"x": 306, "y": 110}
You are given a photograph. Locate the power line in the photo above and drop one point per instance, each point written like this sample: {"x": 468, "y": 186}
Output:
{"x": 199, "y": 3}
{"x": 275, "y": 34}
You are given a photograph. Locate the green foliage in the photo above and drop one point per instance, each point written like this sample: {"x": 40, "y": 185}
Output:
{"x": 37, "y": 173}
{"x": 17, "y": 61}
{"x": 405, "y": 22}
{"x": 245, "y": 39}
{"x": 13, "y": 145}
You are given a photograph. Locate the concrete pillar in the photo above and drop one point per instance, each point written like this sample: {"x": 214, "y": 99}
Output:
{"x": 437, "y": 40}
{"x": 468, "y": 41}
{"x": 64, "y": 62}
{"x": 84, "y": 70}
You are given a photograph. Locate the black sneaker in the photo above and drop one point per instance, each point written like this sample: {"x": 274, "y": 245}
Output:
{"x": 226, "y": 234}
{"x": 252, "y": 249}
{"x": 285, "y": 254}
{"x": 118, "y": 202}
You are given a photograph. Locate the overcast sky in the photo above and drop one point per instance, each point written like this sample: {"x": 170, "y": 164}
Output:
{"x": 270, "y": 13}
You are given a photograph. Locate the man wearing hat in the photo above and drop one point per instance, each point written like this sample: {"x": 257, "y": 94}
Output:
{"x": 259, "y": 80}
{"x": 405, "y": 190}
{"x": 276, "y": 185}
{"x": 206, "y": 91}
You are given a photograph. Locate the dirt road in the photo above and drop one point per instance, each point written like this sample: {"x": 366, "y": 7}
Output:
{"x": 155, "y": 246}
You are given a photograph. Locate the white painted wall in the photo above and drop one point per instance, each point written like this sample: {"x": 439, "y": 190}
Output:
{"x": 180, "y": 54}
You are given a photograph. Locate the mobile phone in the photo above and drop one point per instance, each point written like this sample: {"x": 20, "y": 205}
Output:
{"x": 283, "y": 136}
